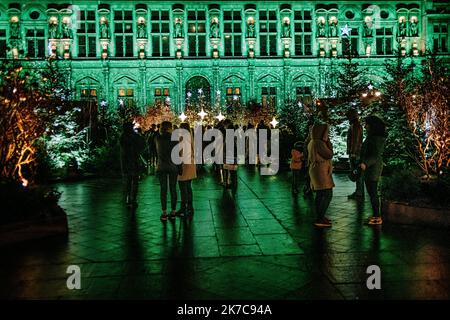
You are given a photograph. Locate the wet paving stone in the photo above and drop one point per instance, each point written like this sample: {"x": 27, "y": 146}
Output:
{"x": 257, "y": 244}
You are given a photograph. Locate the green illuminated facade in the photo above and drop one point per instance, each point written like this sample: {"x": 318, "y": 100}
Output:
{"x": 147, "y": 51}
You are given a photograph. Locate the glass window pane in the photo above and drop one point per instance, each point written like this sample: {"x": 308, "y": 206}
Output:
{"x": 228, "y": 47}
{"x": 263, "y": 45}
{"x": 227, "y": 15}
{"x": 165, "y": 28}
{"x": 237, "y": 46}
{"x": 202, "y": 46}
{"x": 165, "y": 46}
{"x": 129, "y": 46}
{"x": 155, "y": 46}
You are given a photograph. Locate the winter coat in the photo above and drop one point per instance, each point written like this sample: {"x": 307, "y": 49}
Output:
{"x": 296, "y": 160}
{"x": 320, "y": 153}
{"x": 131, "y": 146}
{"x": 372, "y": 156}
{"x": 354, "y": 139}
{"x": 189, "y": 169}
{"x": 164, "y": 147}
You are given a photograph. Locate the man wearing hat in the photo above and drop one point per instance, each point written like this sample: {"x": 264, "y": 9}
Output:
{"x": 354, "y": 143}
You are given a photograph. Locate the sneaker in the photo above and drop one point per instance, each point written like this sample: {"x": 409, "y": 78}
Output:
{"x": 163, "y": 217}
{"x": 323, "y": 224}
{"x": 375, "y": 221}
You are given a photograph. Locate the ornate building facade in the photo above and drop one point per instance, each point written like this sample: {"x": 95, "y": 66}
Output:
{"x": 144, "y": 52}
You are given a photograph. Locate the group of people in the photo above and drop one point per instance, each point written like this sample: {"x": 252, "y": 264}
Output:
{"x": 366, "y": 164}
{"x": 157, "y": 144}
{"x": 314, "y": 155}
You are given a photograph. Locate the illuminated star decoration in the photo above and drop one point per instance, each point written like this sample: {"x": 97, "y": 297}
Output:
{"x": 299, "y": 104}
{"x": 220, "y": 116}
{"x": 200, "y": 91}
{"x": 121, "y": 102}
{"x": 182, "y": 117}
{"x": 370, "y": 86}
{"x": 345, "y": 31}
{"x": 202, "y": 114}
{"x": 218, "y": 92}
{"x": 168, "y": 99}
{"x": 235, "y": 98}
{"x": 189, "y": 94}
{"x": 274, "y": 122}
{"x": 103, "y": 103}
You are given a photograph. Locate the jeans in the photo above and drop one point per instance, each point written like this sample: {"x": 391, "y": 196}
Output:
{"x": 323, "y": 199}
{"x": 168, "y": 179}
{"x": 186, "y": 194}
{"x": 232, "y": 174}
{"x": 354, "y": 162}
{"x": 295, "y": 180}
{"x": 374, "y": 194}
{"x": 131, "y": 187}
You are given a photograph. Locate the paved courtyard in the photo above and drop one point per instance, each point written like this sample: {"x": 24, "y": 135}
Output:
{"x": 259, "y": 245}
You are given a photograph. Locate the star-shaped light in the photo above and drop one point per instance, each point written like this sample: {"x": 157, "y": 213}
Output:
{"x": 299, "y": 104}
{"x": 182, "y": 117}
{"x": 218, "y": 92}
{"x": 189, "y": 94}
{"x": 121, "y": 102}
{"x": 202, "y": 114}
{"x": 220, "y": 116}
{"x": 370, "y": 86}
{"x": 274, "y": 122}
{"x": 200, "y": 91}
{"x": 168, "y": 99}
{"x": 103, "y": 103}
{"x": 345, "y": 31}
{"x": 235, "y": 98}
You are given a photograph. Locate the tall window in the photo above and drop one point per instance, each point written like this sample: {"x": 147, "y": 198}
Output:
{"x": 123, "y": 29}
{"x": 197, "y": 33}
{"x": 440, "y": 37}
{"x": 269, "y": 97}
{"x": 233, "y": 96}
{"x": 87, "y": 34}
{"x": 350, "y": 45}
{"x": 2, "y": 43}
{"x": 302, "y": 32}
{"x": 126, "y": 96}
{"x": 268, "y": 32}
{"x": 232, "y": 33}
{"x": 384, "y": 40}
{"x": 88, "y": 94}
{"x": 35, "y": 39}
{"x": 160, "y": 33}
{"x": 162, "y": 96}
{"x": 304, "y": 95}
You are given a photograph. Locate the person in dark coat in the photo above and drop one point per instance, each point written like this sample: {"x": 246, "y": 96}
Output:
{"x": 131, "y": 145}
{"x": 354, "y": 143}
{"x": 372, "y": 163}
{"x": 166, "y": 170}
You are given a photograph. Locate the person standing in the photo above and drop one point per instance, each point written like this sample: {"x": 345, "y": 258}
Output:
{"x": 189, "y": 173}
{"x": 372, "y": 163}
{"x": 296, "y": 165}
{"x": 131, "y": 147}
{"x": 354, "y": 143}
{"x": 166, "y": 170}
{"x": 320, "y": 152}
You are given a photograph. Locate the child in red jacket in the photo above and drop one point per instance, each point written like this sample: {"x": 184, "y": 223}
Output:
{"x": 296, "y": 165}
